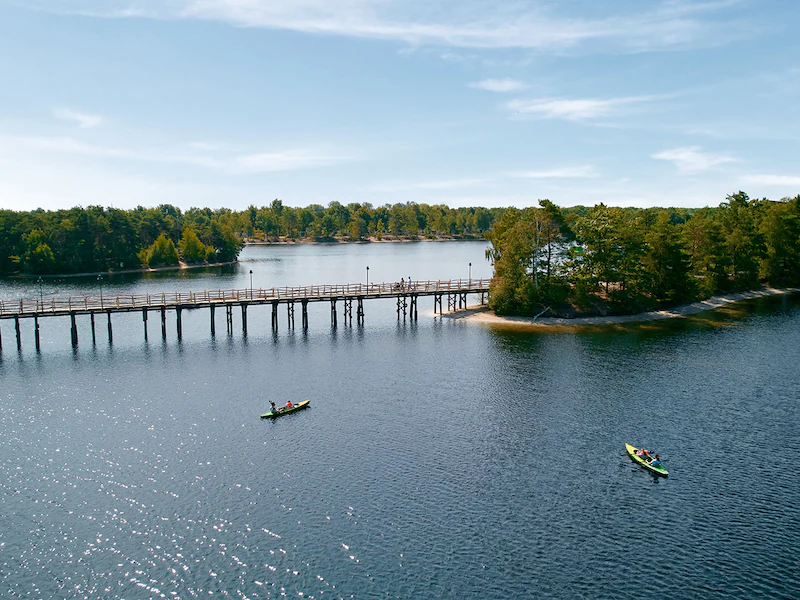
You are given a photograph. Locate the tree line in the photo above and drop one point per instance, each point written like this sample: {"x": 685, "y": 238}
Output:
{"x": 93, "y": 239}
{"x": 625, "y": 260}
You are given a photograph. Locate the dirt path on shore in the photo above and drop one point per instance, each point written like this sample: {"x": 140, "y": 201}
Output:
{"x": 484, "y": 316}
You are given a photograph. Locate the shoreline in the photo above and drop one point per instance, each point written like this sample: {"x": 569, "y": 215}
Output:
{"x": 179, "y": 267}
{"x": 387, "y": 239}
{"x": 482, "y": 315}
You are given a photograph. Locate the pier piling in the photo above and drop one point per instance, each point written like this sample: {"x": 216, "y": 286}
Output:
{"x": 179, "y": 322}
{"x": 163, "y": 323}
{"x": 19, "y": 335}
{"x": 110, "y": 330}
{"x": 213, "y": 324}
{"x": 74, "y": 329}
{"x": 144, "y": 321}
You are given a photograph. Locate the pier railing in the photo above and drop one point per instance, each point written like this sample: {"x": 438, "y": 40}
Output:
{"x": 127, "y": 302}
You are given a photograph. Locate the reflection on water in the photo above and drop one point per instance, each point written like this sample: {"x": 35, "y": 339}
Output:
{"x": 437, "y": 460}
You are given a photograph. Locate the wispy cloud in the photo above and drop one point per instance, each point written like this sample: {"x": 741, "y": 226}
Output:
{"x": 571, "y": 109}
{"x": 774, "y": 180}
{"x": 499, "y": 85}
{"x": 693, "y": 159}
{"x": 580, "y": 172}
{"x": 82, "y": 119}
{"x": 260, "y": 162}
{"x": 468, "y": 23}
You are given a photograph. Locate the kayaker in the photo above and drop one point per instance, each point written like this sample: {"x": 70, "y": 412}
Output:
{"x": 272, "y": 406}
{"x": 656, "y": 462}
{"x": 289, "y": 404}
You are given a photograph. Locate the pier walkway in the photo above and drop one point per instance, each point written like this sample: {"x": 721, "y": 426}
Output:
{"x": 405, "y": 293}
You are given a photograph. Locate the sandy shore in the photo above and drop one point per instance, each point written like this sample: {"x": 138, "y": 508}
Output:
{"x": 484, "y": 316}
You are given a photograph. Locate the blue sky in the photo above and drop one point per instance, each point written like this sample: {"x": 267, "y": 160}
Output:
{"x": 227, "y": 103}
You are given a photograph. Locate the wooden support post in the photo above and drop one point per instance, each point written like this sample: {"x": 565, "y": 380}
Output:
{"x": 414, "y": 306}
{"x": 110, "y": 331}
{"x": 1, "y": 340}
{"x": 348, "y": 310}
{"x": 304, "y": 304}
{"x": 94, "y": 337}
{"x": 274, "y": 321}
{"x": 437, "y": 300}
{"x": 229, "y": 318}
{"x": 16, "y": 329}
{"x": 451, "y": 302}
{"x": 74, "y": 329}
{"x": 360, "y": 310}
{"x": 179, "y": 321}
{"x": 163, "y": 323}
{"x": 213, "y": 324}
{"x": 244, "y": 320}
{"x": 333, "y": 312}
{"x": 36, "y": 331}
{"x": 144, "y": 320}
{"x": 290, "y": 313}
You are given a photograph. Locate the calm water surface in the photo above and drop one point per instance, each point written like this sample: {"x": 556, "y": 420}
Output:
{"x": 438, "y": 459}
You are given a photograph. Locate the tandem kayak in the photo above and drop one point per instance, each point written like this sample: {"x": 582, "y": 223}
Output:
{"x": 645, "y": 461}
{"x": 285, "y": 411}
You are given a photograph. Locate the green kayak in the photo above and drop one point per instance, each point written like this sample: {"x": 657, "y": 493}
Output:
{"x": 283, "y": 410}
{"x": 645, "y": 461}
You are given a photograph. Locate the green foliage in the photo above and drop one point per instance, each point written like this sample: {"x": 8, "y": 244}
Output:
{"x": 192, "y": 249}
{"x": 162, "y": 253}
{"x": 629, "y": 260}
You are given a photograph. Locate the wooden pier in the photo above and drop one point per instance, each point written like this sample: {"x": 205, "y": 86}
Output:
{"x": 406, "y": 294}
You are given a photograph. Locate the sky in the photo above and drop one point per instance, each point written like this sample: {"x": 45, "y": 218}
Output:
{"x": 228, "y": 103}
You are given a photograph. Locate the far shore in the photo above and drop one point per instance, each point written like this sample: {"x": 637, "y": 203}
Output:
{"x": 179, "y": 267}
{"x": 385, "y": 239}
{"x": 483, "y": 316}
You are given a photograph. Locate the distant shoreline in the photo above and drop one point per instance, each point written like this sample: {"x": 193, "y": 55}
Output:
{"x": 483, "y": 316}
{"x": 386, "y": 239}
{"x": 179, "y": 267}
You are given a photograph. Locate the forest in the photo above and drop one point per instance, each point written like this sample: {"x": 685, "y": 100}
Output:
{"x": 611, "y": 260}
{"x": 98, "y": 239}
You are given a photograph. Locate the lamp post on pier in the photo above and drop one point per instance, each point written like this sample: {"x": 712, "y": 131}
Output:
{"x": 100, "y": 279}
{"x": 470, "y": 273}
{"x": 368, "y": 279}
{"x": 251, "y": 284}
{"x": 41, "y": 300}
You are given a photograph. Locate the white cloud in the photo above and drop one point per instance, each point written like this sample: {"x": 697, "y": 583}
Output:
{"x": 571, "y": 110}
{"x": 82, "y": 119}
{"x": 581, "y": 172}
{"x": 693, "y": 159}
{"x": 458, "y": 23}
{"x": 776, "y": 180}
{"x": 499, "y": 85}
{"x": 263, "y": 162}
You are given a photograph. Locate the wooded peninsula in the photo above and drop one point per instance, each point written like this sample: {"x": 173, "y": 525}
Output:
{"x": 570, "y": 261}
{"x": 608, "y": 260}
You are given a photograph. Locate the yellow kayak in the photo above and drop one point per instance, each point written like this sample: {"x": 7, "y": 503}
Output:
{"x": 283, "y": 410}
{"x": 645, "y": 461}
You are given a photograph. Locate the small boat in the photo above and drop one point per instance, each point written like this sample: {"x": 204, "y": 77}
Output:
{"x": 645, "y": 461}
{"x": 283, "y": 410}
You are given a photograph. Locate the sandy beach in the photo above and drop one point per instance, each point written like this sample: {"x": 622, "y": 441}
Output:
{"x": 482, "y": 315}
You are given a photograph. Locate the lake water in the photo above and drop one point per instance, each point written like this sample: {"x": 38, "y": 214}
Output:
{"x": 438, "y": 459}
